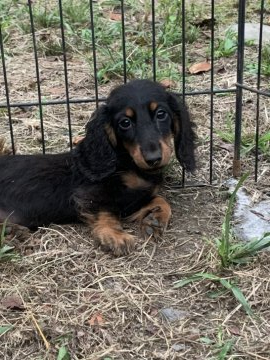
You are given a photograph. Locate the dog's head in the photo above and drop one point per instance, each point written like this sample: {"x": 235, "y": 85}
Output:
{"x": 140, "y": 118}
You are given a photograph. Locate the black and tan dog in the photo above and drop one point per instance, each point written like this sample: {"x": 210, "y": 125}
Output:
{"x": 114, "y": 173}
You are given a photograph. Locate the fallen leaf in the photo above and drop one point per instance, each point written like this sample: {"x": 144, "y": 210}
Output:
{"x": 115, "y": 16}
{"x": 167, "y": 83}
{"x": 77, "y": 139}
{"x": 96, "y": 319}
{"x": 234, "y": 330}
{"x": 200, "y": 67}
{"x": 13, "y": 302}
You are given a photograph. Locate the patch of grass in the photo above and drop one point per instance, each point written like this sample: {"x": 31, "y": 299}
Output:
{"x": 77, "y": 14}
{"x": 108, "y": 39}
{"x": 227, "y": 45}
{"x": 169, "y": 31}
{"x": 224, "y": 244}
{"x": 44, "y": 17}
{"x": 51, "y": 45}
{"x": 265, "y": 64}
{"x": 231, "y": 252}
{"x": 237, "y": 293}
{"x": 248, "y": 142}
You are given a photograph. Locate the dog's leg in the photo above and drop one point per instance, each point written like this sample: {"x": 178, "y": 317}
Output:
{"x": 154, "y": 217}
{"x": 109, "y": 233}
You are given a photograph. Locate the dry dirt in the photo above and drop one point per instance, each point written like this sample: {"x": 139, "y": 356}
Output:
{"x": 99, "y": 306}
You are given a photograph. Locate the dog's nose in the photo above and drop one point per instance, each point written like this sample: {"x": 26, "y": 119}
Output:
{"x": 153, "y": 158}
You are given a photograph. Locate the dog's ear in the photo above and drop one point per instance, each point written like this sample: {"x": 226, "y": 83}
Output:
{"x": 184, "y": 135}
{"x": 95, "y": 155}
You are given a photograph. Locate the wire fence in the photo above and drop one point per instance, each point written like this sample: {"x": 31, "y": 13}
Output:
{"x": 213, "y": 92}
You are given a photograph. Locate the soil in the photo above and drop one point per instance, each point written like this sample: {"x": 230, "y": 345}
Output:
{"x": 98, "y": 305}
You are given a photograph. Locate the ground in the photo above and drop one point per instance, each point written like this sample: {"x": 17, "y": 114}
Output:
{"x": 65, "y": 296}
{"x": 105, "y": 307}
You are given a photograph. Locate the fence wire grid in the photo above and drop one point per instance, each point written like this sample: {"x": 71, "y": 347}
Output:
{"x": 60, "y": 59}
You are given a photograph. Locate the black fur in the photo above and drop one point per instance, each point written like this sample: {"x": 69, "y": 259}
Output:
{"x": 37, "y": 190}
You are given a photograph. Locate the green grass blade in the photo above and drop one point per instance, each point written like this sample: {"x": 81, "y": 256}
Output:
{"x": 238, "y": 295}
{"x": 63, "y": 354}
{"x": 196, "y": 277}
{"x": 4, "y": 329}
{"x": 5, "y": 249}
{"x": 2, "y": 236}
{"x": 251, "y": 248}
{"x": 186, "y": 281}
{"x": 208, "y": 276}
{"x": 224, "y": 247}
{"x": 225, "y": 350}
{"x": 243, "y": 301}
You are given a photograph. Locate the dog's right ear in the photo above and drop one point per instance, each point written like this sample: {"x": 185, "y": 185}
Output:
{"x": 95, "y": 154}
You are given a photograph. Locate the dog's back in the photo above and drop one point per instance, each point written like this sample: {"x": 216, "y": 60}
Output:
{"x": 29, "y": 183}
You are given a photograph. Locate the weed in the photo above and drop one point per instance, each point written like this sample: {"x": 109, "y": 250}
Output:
{"x": 231, "y": 252}
{"x": 225, "y": 283}
{"x": 225, "y": 349}
{"x": 265, "y": 63}
{"x": 223, "y": 244}
{"x": 77, "y": 14}
{"x": 226, "y": 46}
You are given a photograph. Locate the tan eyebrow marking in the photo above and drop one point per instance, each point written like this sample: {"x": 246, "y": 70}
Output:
{"x": 129, "y": 112}
{"x": 153, "y": 105}
{"x": 111, "y": 134}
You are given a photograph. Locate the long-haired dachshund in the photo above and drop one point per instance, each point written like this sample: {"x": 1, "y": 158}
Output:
{"x": 113, "y": 173}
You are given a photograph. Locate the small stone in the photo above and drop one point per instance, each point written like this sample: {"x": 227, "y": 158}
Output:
{"x": 173, "y": 314}
{"x": 178, "y": 347}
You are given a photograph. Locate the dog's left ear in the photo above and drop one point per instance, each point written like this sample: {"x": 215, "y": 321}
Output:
{"x": 95, "y": 154}
{"x": 184, "y": 135}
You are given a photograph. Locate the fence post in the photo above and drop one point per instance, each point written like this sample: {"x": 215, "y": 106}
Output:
{"x": 239, "y": 89}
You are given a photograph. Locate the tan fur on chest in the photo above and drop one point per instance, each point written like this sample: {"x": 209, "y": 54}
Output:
{"x": 133, "y": 181}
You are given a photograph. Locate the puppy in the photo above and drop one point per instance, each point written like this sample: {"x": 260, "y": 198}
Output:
{"x": 113, "y": 173}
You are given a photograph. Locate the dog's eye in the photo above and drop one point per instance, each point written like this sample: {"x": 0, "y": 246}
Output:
{"x": 161, "y": 115}
{"x": 125, "y": 124}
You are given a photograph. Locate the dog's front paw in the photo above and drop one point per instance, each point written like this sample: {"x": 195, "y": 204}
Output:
{"x": 114, "y": 240}
{"x": 155, "y": 222}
